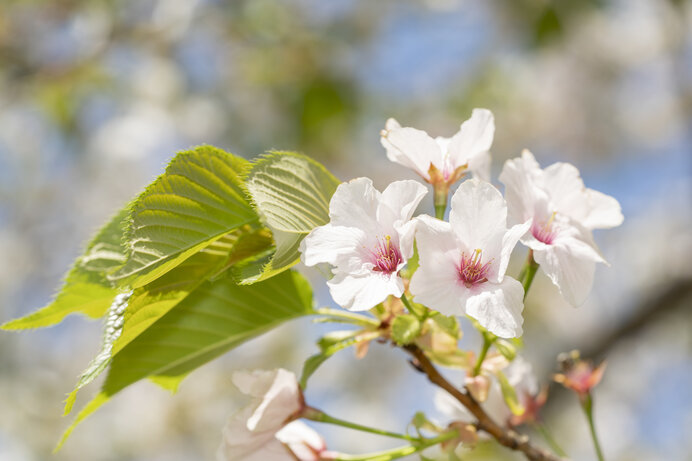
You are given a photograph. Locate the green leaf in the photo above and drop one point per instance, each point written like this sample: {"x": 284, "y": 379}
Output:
{"x": 86, "y": 289}
{"x": 199, "y": 199}
{"x": 405, "y": 329}
{"x": 310, "y": 366}
{"x": 291, "y": 193}
{"x": 412, "y": 263}
{"x": 506, "y": 348}
{"x": 448, "y": 324}
{"x": 509, "y": 394}
{"x": 151, "y": 302}
{"x": 332, "y": 343}
{"x": 335, "y": 338}
{"x": 213, "y": 319}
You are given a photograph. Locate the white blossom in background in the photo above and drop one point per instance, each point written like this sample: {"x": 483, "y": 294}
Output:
{"x": 303, "y": 442}
{"x": 443, "y": 160}
{"x": 519, "y": 375}
{"x": 368, "y": 240}
{"x": 563, "y": 212}
{"x": 463, "y": 262}
{"x": 264, "y": 430}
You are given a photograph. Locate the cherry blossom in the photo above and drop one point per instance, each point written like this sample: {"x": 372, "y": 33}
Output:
{"x": 463, "y": 262}
{"x": 443, "y": 160}
{"x": 579, "y": 375}
{"x": 563, "y": 212}
{"x": 264, "y": 430}
{"x": 368, "y": 240}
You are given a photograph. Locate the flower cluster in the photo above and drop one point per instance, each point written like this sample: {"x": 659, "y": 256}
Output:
{"x": 379, "y": 254}
{"x": 462, "y": 262}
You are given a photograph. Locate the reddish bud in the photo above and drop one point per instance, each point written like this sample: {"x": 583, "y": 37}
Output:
{"x": 579, "y": 375}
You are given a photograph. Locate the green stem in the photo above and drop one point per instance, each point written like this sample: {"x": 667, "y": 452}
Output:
{"x": 548, "y": 437}
{"x": 487, "y": 342}
{"x": 440, "y": 211}
{"x": 413, "y": 310}
{"x": 399, "y": 452}
{"x": 528, "y": 272}
{"x": 350, "y": 316}
{"x": 319, "y": 416}
{"x": 587, "y": 405}
{"x": 440, "y": 195}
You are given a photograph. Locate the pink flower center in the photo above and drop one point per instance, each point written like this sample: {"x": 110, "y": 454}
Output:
{"x": 544, "y": 231}
{"x": 386, "y": 257}
{"x": 472, "y": 271}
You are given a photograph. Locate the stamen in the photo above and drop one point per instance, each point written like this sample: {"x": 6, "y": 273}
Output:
{"x": 386, "y": 257}
{"x": 472, "y": 271}
{"x": 544, "y": 233}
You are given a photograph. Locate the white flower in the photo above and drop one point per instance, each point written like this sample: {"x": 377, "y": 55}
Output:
{"x": 303, "y": 442}
{"x": 519, "y": 375}
{"x": 562, "y": 212}
{"x": 259, "y": 432}
{"x": 368, "y": 240}
{"x": 463, "y": 262}
{"x": 443, "y": 159}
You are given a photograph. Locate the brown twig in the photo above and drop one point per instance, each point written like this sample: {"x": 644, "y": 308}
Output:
{"x": 505, "y": 437}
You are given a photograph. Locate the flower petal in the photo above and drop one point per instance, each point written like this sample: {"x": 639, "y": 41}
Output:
{"x": 568, "y": 269}
{"x": 362, "y": 292}
{"x": 407, "y": 232}
{"x": 354, "y": 204}
{"x": 304, "y": 441}
{"x": 330, "y": 244}
{"x": 497, "y": 307}
{"x": 436, "y": 281}
{"x": 520, "y": 177}
{"x": 238, "y": 442}
{"x": 278, "y": 393}
{"x": 604, "y": 211}
{"x": 479, "y": 216}
{"x": 509, "y": 241}
{"x": 474, "y": 138}
{"x": 411, "y": 147}
{"x": 479, "y": 166}
{"x": 399, "y": 201}
{"x": 565, "y": 188}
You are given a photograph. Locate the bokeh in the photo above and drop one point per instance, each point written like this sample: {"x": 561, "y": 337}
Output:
{"x": 96, "y": 96}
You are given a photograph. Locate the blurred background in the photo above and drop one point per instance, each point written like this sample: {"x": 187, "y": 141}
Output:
{"x": 96, "y": 96}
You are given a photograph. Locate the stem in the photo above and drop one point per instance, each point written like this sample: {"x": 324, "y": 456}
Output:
{"x": 319, "y": 416}
{"x": 528, "y": 272}
{"x": 350, "y": 316}
{"x": 411, "y": 309}
{"x": 440, "y": 211}
{"x": 441, "y": 192}
{"x": 505, "y": 437}
{"x": 548, "y": 437}
{"x": 587, "y": 405}
{"x": 399, "y": 452}
{"x": 487, "y": 342}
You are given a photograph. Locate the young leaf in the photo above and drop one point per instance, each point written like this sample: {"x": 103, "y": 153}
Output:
{"x": 86, "y": 289}
{"x": 213, "y": 319}
{"x": 509, "y": 394}
{"x": 199, "y": 199}
{"x": 506, "y": 348}
{"x": 405, "y": 329}
{"x": 291, "y": 193}
{"x": 330, "y": 345}
{"x": 149, "y": 303}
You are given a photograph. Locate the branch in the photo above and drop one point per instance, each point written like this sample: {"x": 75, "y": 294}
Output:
{"x": 646, "y": 314}
{"x": 505, "y": 437}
